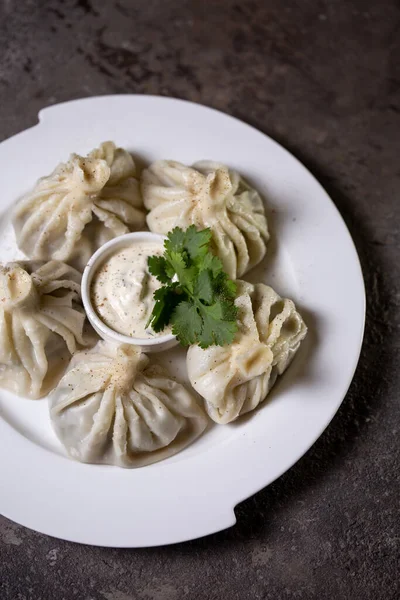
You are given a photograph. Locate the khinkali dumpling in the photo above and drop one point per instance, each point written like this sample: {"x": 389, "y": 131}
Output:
{"x": 41, "y": 325}
{"x": 234, "y": 379}
{"x": 112, "y": 407}
{"x": 208, "y": 195}
{"x": 79, "y": 206}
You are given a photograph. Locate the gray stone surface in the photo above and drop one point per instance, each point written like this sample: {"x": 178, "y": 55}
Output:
{"x": 323, "y": 78}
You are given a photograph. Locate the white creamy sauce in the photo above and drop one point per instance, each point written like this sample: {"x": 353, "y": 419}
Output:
{"x": 122, "y": 290}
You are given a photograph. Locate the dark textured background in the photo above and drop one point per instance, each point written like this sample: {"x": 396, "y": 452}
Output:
{"x": 323, "y": 78}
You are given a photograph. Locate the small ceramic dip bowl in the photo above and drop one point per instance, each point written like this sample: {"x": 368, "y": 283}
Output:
{"x": 99, "y": 266}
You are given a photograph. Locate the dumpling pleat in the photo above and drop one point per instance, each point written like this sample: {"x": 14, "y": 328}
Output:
{"x": 62, "y": 228}
{"x": 65, "y": 321}
{"x": 124, "y": 211}
{"x": 68, "y": 299}
{"x": 111, "y": 221}
{"x": 163, "y": 424}
{"x": 30, "y": 234}
{"x": 99, "y": 438}
{"x": 140, "y": 437}
{"x": 253, "y": 241}
{"x": 29, "y": 340}
{"x": 127, "y": 191}
{"x": 8, "y": 354}
{"x": 53, "y": 272}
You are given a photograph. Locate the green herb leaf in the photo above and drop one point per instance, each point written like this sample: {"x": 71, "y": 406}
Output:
{"x": 175, "y": 241}
{"x": 167, "y": 299}
{"x": 212, "y": 263}
{"x": 197, "y": 296}
{"x": 186, "y": 323}
{"x": 224, "y": 286}
{"x": 158, "y": 267}
{"x": 197, "y": 242}
{"x": 216, "y": 330}
{"x": 203, "y": 287}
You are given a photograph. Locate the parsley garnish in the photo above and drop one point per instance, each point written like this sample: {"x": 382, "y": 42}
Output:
{"x": 197, "y": 297}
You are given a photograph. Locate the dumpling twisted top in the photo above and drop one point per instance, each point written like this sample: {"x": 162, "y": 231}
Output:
{"x": 79, "y": 206}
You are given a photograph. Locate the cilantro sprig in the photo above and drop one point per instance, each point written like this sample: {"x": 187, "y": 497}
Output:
{"x": 197, "y": 296}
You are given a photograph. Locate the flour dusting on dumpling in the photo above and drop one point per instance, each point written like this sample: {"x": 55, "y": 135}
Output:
{"x": 113, "y": 407}
{"x": 81, "y": 205}
{"x": 208, "y": 195}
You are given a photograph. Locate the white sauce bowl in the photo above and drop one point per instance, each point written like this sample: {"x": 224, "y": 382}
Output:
{"x": 156, "y": 344}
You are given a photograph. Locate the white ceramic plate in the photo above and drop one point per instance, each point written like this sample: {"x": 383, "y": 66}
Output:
{"x": 311, "y": 259}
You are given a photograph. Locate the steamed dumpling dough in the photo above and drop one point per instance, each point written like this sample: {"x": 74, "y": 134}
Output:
{"x": 234, "y": 379}
{"x": 208, "y": 195}
{"x": 41, "y": 325}
{"x": 79, "y": 206}
{"x": 113, "y": 407}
